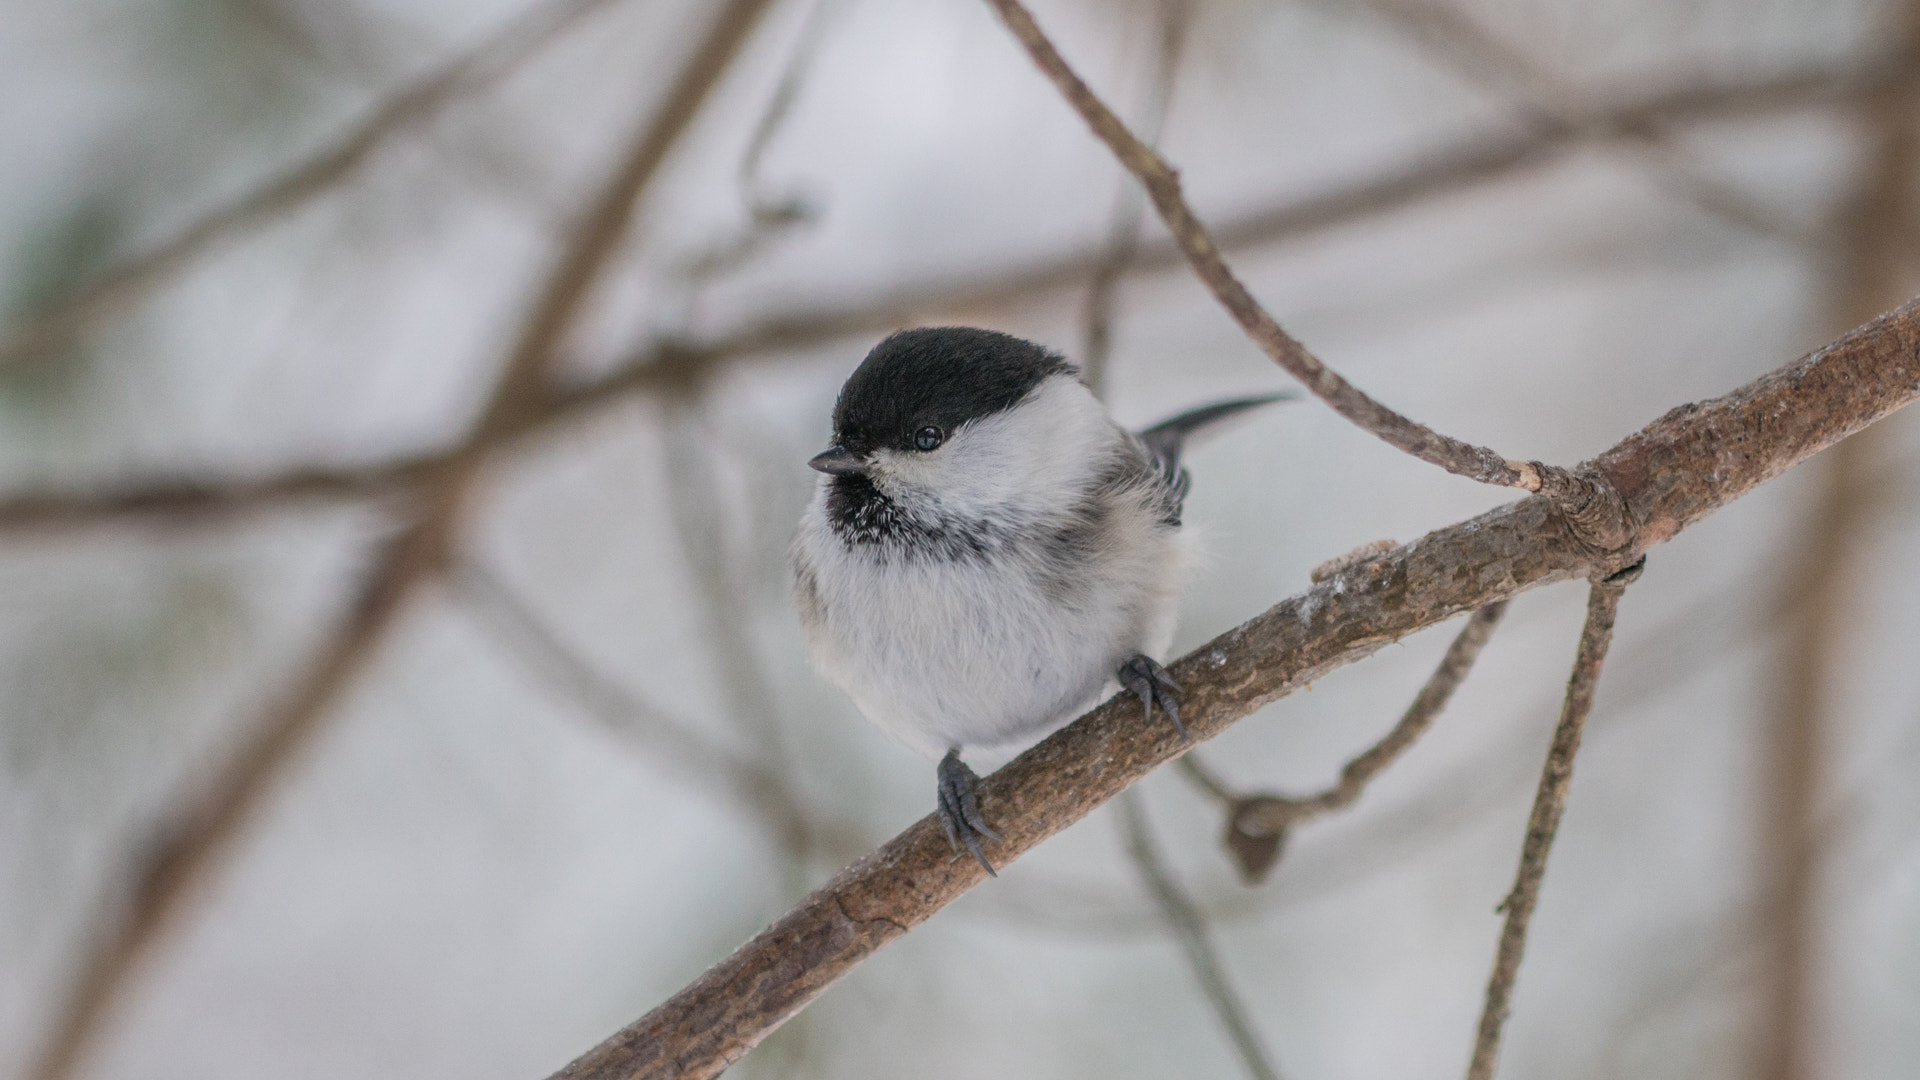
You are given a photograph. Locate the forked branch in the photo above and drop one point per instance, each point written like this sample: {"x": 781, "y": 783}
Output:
{"x": 1257, "y": 824}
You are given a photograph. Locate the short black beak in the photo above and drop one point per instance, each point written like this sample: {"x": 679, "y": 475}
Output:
{"x": 838, "y": 461}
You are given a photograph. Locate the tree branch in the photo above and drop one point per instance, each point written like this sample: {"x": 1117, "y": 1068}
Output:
{"x": 1123, "y": 226}
{"x": 771, "y": 215}
{"x": 1189, "y": 927}
{"x": 194, "y": 843}
{"x": 1603, "y": 602}
{"x": 1671, "y": 474}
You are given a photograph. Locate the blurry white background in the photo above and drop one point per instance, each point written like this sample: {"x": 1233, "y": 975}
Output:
{"x": 1534, "y": 224}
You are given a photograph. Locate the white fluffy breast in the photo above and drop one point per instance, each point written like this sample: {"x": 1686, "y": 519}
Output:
{"x": 986, "y": 645}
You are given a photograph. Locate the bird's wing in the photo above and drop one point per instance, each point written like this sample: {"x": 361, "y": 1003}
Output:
{"x": 1165, "y": 440}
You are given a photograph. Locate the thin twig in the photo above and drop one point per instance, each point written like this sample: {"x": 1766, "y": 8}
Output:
{"x": 770, "y": 215}
{"x": 1427, "y": 705}
{"x": 666, "y": 362}
{"x": 1123, "y": 228}
{"x": 1257, "y": 824}
{"x": 1189, "y": 927}
{"x": 470, "y": 72}
{"x": 1603, "y": 602}
{"x": 1672, "y": 473}
{"x": 693, "y": 493}
{"x": 1163, "y": 187}
{"x": 179, "y": 864}
{"x": 779, "y": 108}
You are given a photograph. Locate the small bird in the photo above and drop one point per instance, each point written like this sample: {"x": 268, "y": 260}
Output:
{"x": 988, "y": 552}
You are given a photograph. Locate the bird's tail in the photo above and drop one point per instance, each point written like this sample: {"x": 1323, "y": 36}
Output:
{"x": 1166, "y": 439}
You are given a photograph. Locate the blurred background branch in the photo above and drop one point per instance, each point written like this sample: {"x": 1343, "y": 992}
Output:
{"x": 1873, "y": 265}
{"x": 472, "y": 72}
{"x": 1455, "y": 39}
{"x": 1123, "y": 229}
{"x": 522, "y": 632}
{"x": 1189, "y": 928}
{"x": 174, "y": 869}
{"x": 670, "y": 360}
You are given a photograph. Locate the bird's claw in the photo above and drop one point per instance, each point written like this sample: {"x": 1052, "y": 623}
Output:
{"x": 960, "y": 809}
{"x": 1144, "y": 676}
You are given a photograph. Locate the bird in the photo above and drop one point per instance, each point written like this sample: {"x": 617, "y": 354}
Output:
{"x": 987, "y": 553}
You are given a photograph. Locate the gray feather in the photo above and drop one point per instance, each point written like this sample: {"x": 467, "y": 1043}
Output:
{"x": 1166, "y": 439}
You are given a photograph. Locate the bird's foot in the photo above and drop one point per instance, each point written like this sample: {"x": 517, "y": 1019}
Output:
{"x": 1145, "y": 677}
{"x": 960, "y": 808}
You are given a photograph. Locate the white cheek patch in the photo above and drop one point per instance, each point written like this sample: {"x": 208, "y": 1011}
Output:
{"x": 1033, "y": 459}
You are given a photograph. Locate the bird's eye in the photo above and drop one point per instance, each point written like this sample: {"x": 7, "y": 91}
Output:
{"x": 928, "y": 438}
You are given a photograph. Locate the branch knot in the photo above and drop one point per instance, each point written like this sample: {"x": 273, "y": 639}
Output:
{"x": 1257, "y": 827}
{"x": 1590, "y": 507}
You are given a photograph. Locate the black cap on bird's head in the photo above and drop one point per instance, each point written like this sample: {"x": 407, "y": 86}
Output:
{"x": 917, "y": 386}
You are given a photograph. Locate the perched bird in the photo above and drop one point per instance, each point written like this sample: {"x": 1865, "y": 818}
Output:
{"x": 988, "y": 552}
